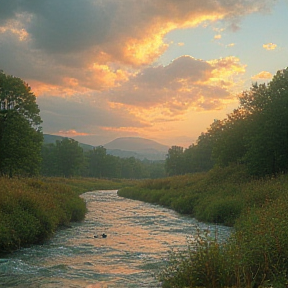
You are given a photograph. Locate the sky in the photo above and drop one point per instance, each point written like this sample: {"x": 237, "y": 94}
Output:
{"x": 157, "y": 69}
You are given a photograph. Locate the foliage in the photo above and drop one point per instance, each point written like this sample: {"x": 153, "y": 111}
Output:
{"x": 215, "y": 196}
{"x": 174, "y": 161}
{"x": 66, "y": 158}
{"x": 20, "y": 131}
{"x": 254, "y": 134}
{"x": 256, "y": 253}
{"x": 81, "y": 185}
{"x": 31, "y": 210}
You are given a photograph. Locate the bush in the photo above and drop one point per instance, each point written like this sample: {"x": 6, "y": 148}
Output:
{"x": 31, "y": 211}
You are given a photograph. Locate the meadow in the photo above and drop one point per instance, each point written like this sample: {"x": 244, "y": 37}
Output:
{"x": 31, "y": 210}
{"x": 255, "y": 255}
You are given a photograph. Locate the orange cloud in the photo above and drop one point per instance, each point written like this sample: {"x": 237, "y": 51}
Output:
{"x": 263, "y": 75}
{"x": 166, "y": 93}
{"x": 270, "y": 46}
{"x": 70, "y": 133}
{"x": 88, "y": 53}
{"x": 102, "y": 77}
{"x": 226, "y": 70}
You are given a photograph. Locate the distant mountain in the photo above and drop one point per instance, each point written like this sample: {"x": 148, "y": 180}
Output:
{"x": 136, "y": 144}
{"x": 125, "y": 147}
{"x": 137, "y": 147}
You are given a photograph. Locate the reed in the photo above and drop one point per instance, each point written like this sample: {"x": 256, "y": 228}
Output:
{"x": 255, "y": 255}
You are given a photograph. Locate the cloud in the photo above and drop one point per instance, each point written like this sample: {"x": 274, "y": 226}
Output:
{"x": 92, "y": 62}
{"x": 270, "y": 46}
{"x": 77, "y": 33}
{"x": 166, "y": 92}
{"x": 70, "y": 133}
{"x": 263, "y": 75}
{"x": 82, "y": 114}
{"x": 218, "y": 36}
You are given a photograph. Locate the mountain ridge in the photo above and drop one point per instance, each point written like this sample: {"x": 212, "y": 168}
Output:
{"x": 136, "y": 144}
{"x": 124, "y": 147}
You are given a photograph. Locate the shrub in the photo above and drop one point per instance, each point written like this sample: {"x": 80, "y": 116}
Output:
{"x": 31, "y": 211}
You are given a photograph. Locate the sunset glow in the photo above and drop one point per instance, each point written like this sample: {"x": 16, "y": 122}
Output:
{"x": 164, "y": 72}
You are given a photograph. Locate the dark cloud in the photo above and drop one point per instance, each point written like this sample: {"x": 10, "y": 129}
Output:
{"x": 68, "y": 26}
{"x": 8, "y": 10}
{"x": 61, "y": 114}
{"x": 74, "y": 26}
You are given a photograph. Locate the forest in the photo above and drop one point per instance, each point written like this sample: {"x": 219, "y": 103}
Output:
{"x": 255, "y": 135}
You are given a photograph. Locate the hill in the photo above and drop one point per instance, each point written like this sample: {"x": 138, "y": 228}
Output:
{"x": 125, "y": 147}
{"x": 136, "y": 144}
{"x": 137, "y": 147}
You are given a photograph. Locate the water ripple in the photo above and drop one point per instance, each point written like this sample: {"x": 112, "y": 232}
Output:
{"x": 139, "y": 236}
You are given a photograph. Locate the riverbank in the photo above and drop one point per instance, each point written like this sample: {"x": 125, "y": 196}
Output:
{"x": 31, "y": 210}
{"x": 255, "y": 255}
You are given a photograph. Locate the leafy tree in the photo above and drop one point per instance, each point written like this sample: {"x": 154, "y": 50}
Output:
{"x": 175, "y": 161}
{"x": 70, "y": 157}
{"x": 112, "y": 167}
{"x": 267, "y": 142}
{"x": 197, "y": 158}
{"x": 49, "y": 163}
{"x": 96, "y": 160}
{"x": 20, "y": 131}
{"x": 230, "y": 146}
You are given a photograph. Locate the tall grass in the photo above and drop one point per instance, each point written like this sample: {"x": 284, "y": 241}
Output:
{"x": 82, "y": 184}
{"x": 216, "y": 196}
{"x": 32, "y": 209}
{"x": 256, "y": 254}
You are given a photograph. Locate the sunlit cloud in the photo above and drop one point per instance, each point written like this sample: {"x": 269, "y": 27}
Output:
{"x": 70, "y": 133}
{"x": 92, "y": 65}
{"x": 67, "y": 47}
{"x": 270, "y": 46}
{"x": 218, "y": 36}
{"x": 263, "y": 75}
{"x": 166, "y": 93}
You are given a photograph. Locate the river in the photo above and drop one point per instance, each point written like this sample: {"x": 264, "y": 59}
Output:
{"x": 139, "y": 237}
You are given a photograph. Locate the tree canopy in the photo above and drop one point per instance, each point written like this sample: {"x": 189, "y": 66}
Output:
{"x": 255, "y": 134}
{"x": 20, "y": 131}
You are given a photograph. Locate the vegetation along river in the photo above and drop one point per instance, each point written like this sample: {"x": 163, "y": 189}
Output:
{"x": 139, "y": 237}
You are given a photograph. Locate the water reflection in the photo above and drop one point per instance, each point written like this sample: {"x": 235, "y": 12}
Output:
{"x": 139, "y": 235}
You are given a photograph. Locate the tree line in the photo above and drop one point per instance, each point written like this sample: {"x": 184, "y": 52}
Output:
{"x": 255, "y": 134}
{"x": 66, "y": 158}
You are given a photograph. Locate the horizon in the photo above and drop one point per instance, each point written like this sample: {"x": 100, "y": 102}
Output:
{"x": 164, "y": 73}
{"x": 128, "y": 137}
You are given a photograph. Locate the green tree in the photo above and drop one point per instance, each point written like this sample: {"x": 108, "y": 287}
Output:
{"x": 49, "y": 165}
{"x": 267, "y": 136}
{"x": 230, "y": 146}
{"x": 20, "y": 132}
{"x": 70, "y": 157}
{"x": 97, "y": 161}
{"x": 174, "y": 164}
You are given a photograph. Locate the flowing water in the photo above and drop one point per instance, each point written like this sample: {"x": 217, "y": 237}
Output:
{"x": 139, "y": 237}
